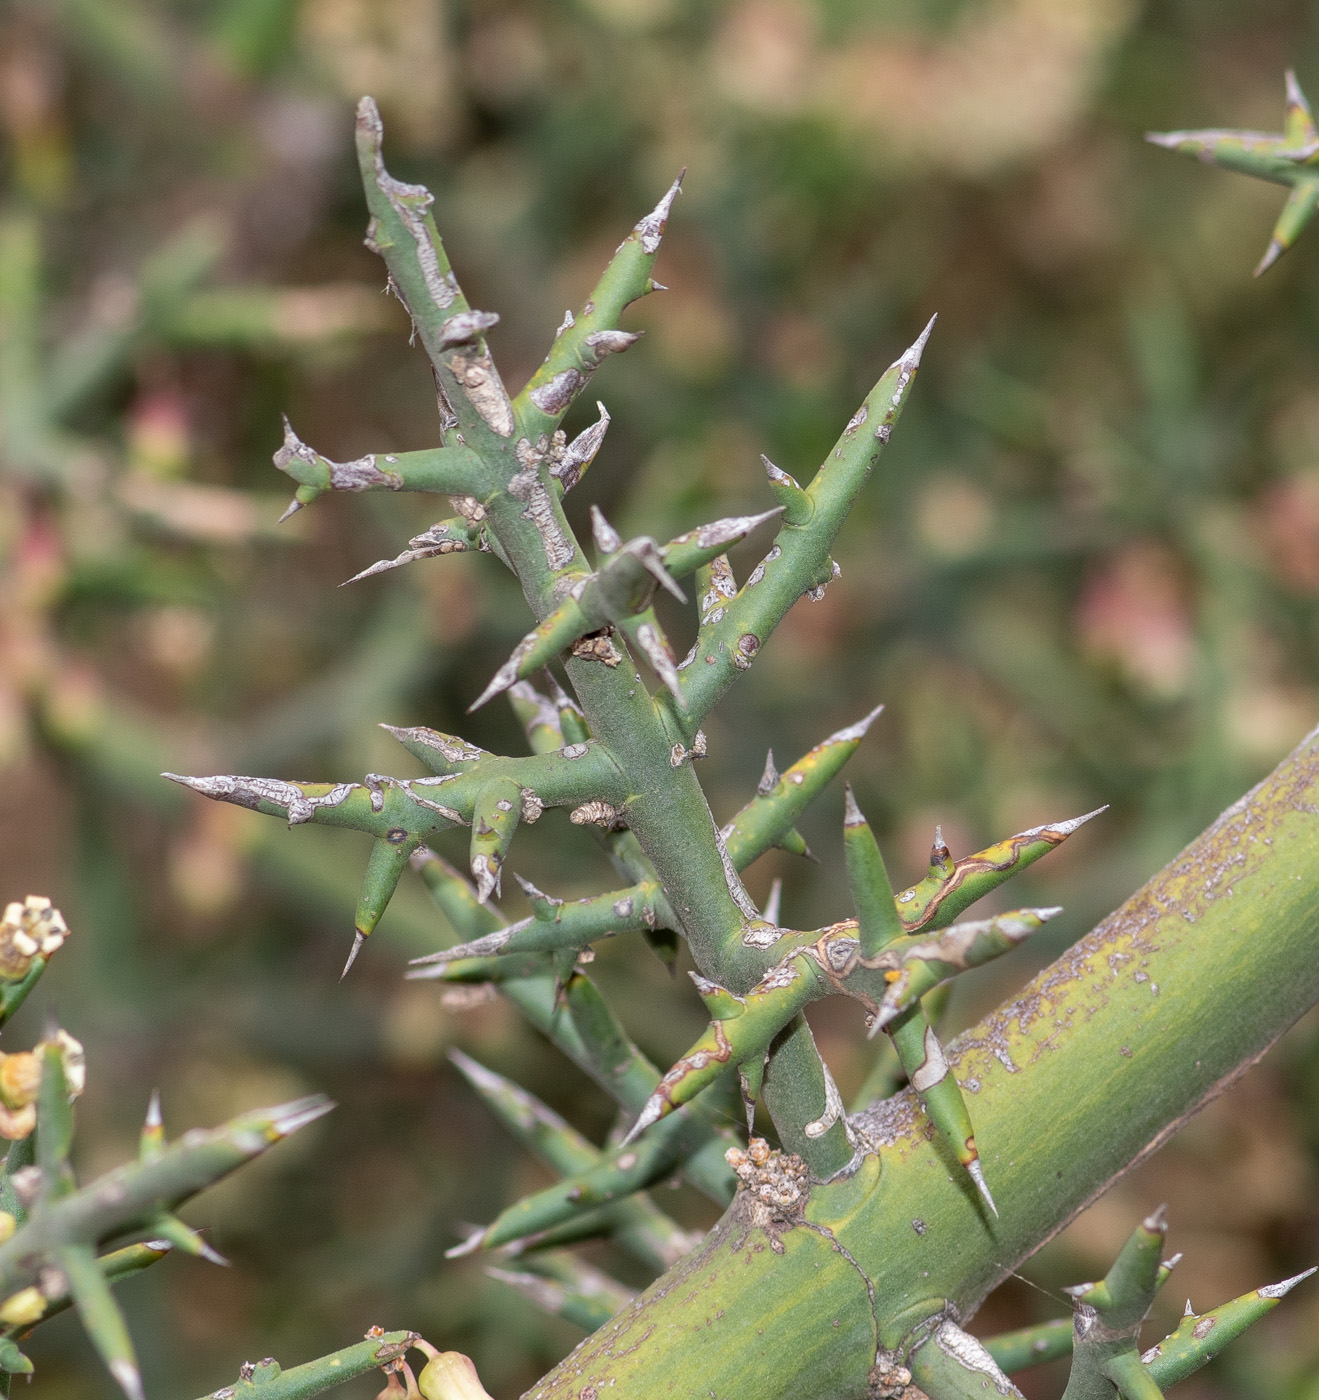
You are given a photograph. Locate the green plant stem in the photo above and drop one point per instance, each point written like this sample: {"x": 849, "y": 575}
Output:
{"x": 1160, "y": 1007}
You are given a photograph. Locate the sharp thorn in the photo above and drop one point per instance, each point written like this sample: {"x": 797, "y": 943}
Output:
{"x": 649, "y": 1114}
{"x": 154, "y": 1120}
{"x": 774, "y": 901}
{"x": 1190, "y": 1311}
{"x": 289, "y": 1117}
{"x": 358, "y": 939}
{"x": 769, "y": 779}
{"x": 977, "y": 1175}
{"x": 851, "y": 812}
{"x": 293, "y": 507}
{"x": 129, "y": 1378}
{"x": 1280, "y": 1290}
{"x": 1271, "y": 255}
{"x": 857, "y": 730}
{"x": 1157, "y": 1221}
{"x": 469, "y": 1246}
{"x": 606, "y": 538}
{"x": 912, "y": 355}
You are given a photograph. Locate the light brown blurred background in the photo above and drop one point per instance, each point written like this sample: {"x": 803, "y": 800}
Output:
{"x": 1087, "y": 571}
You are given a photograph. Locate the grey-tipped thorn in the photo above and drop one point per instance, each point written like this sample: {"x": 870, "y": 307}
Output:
{"x": 289, "y": 1117}
{"x": 977, "y": 1174}
{"x": 852, "y": 815}
{"x": 911, "y": 357}
{"x": 769, "y": 779}
{"x": 772, "y": 904}
{"x": 1069, "y": 826}
{"x": 580, "y": 452}
{"x": 154, "y": 1120}
{"x": 358, "y": 939}
{"x": 651, "y": 229}
{"x": 857, "y": 730}
{"x": 1156, "y": 1222}
{"x": 606, "y": 538}
{"x": 128, "y": 1377}
{"x": 649, "y": 1114}
{"x": 1280, "y": 1290}
{"x": 1271, "y": 255}
{"x": 293, "y": 507}
{"x": 469, "y": 1246}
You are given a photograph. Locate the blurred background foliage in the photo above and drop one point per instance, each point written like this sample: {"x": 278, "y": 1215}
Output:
{"x": 1087, "y": 572}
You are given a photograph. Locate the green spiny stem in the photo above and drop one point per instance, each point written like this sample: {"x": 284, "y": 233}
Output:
{"x": 455, "y": 536}
{"x": 384, "y": 868}
{"x": 926, "y": 1066}
{"x": 579, "y": 1022}
{"x": 741, "y": 1034}
{"x": 264, "y": 1380}
{"x": 1287, "y": 159}
{"x": 799, "y": 559}
{"x": 90, "y": 1291}
{"x": 1131, "y": 1378}
{"x": 638, "y": 1225}
{"x": 1158, "y": 1008}
{"x": 132, "y": 1196}
{"x": 929, "y": 961}
{"x": 770, "y": 817}
{"x": 583, "y": 339}
{"x": 495, "y": 816}
{"x": 620, "y": 1172}
{"x": 950, "y": 1364}
{"x": 1108, "y": 1316}
{"x": 573, "y": 925}
{"x": 403, "y": 232}
{"x": 621, "y": 588}
{"x": 690, "y": 551}
{"x": 54, "y": 1132}
{"x": 1200, "y": 1337}
{"x": 562, "y": 1285}
{"x": 1031, "y": 1346}
{"x": 116, "y": 1265}
{"x": 952, "y": 886}
{"x": 451, "y": 471}
{"x": 877, "y": 918}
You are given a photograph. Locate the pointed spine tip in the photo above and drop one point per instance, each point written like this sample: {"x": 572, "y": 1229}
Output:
{"x": 1280, "y": 1290}
{"x": 852, "y": 815}
{"x": 129, "y": 1378}
{"x": 1169, "y": 140}
{"x": 470, "y": 1245}
{"x": 1156, "y": 1222}
{"x": 1271, "y": 255}
{"x": 859, "y": 730}
{"x": 293, "y": 507}
{"x": 775, "y": 901}
{"x": 289, "y": 1117}
{"x": 606, "y": 538}
{"x": 911, "y": 357}
{"x": 154, "y": 1121}
{"x": 769, "y": 779}
{"x": 1295, "y": 97}
{"x": 649, "y": 1114}
{"x": 1076, "y": 823}
{"x": 977, "y": 1174}
{"x": 358, "y": 939}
